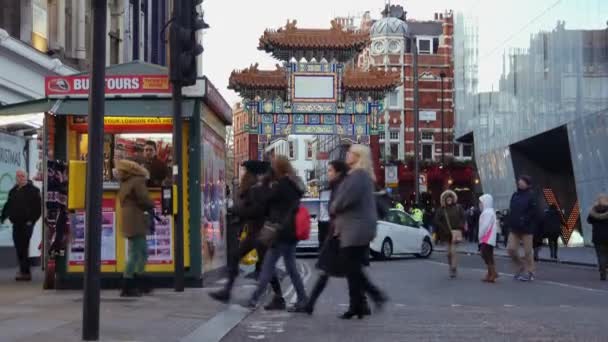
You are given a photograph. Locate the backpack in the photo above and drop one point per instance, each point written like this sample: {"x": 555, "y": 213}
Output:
{"x": 302, "y": 223}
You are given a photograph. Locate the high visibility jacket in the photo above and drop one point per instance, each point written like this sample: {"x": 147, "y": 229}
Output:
{"x": 417, "y": 215}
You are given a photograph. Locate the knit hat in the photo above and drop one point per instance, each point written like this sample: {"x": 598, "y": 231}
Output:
{"x": 526, "y": 179}
{"x": 256, "y": 167}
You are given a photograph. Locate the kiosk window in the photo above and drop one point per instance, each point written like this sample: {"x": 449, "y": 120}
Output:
{"x": 153, "y": 151}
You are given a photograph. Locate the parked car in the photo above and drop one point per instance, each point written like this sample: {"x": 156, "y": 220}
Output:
{"x": 399, "y": 234}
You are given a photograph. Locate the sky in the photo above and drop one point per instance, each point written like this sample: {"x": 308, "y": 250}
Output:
{"x": 236, "y": 25}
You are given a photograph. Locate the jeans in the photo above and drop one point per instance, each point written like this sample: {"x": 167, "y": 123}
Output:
{"x": 138, "y": 256}
{"x": 247, "y": 245}
{"x": 553, "y": 246}
{"x": 22, "y": 233}
{"x": 525, "y": 264}
{"x": 288, "y": 252}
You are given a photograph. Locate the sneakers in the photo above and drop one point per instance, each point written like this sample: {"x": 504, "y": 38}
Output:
{"x": 221, "y": 295}
{"x": 525, "y": 277}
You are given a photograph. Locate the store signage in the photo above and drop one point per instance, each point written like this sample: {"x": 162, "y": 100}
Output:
{"x": 126, "y": 124}
{"x": 322, "y": 155}
{"x": 391, "y": 176}
{"x": 115, "y": 85}
{"x": 427, "y": 115}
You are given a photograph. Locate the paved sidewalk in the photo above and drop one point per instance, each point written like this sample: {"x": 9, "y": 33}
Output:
{"x": 584, "y": 256}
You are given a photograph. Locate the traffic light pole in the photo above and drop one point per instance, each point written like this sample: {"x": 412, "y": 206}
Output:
{"x": 178, "y": 224}
{"x": 94, "y": 182}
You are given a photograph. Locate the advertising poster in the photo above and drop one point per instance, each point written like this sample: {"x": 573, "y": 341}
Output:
{"x": 108, "y": 235}
{"x": 160, "y": 251}
{"x": 12, "y": 158}
{"x": 213, "y": 188}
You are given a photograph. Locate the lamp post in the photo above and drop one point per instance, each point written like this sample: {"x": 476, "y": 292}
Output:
{"x": 416, "y": 121}
{"x": 442, "y": 75}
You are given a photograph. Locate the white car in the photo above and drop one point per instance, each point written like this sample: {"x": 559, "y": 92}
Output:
{"x": 314, "y": 208}
{"x": 400, "y": 234}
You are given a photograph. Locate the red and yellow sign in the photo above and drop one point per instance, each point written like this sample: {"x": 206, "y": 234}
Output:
{"x": 122, "y": 124}
{"x": 58, "y": 86}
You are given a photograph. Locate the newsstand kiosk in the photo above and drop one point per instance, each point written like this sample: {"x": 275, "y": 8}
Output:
{"x": 138, "y": 117}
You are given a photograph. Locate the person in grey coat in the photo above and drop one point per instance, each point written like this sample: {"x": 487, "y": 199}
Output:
{"x": 355, "y": 213}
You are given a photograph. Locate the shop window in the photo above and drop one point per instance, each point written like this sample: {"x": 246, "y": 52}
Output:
{"x": 427, "y": 151}
{"x": 153, "y": 151}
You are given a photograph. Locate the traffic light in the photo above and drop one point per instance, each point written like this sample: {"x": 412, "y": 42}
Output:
{"x": 184, "y": 45}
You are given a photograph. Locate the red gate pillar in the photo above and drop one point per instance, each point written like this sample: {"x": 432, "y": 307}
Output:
{"x": 253, "y": 147}
{"x": 374, "y": 145}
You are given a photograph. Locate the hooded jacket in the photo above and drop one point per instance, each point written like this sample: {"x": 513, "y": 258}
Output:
{"x": 488, "y": 228}
{"x": 134, "y": 199}
{"x": 598, "y": 218}
{"x": 454, "y": 213}
{"x": 523, "y": 216}
{"x": 283, "y": 204}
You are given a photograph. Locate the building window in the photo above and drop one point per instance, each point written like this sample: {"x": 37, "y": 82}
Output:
{"x": 309, "y": 150}
{"x": 382, "y": 136}
{"x": 427, "y": 151}
{"x": 382, "y": 152}
{"x": 394, "y": 151}
{"x": 394, "y": 135}
{"x": 292, "y": 150}
{"x": 456, "y": 150}
{"x": 467, "y": 151}
{"x": 393, "y": 99}
{"x": 428, "y": 136}
{"x": 424, "y": 46}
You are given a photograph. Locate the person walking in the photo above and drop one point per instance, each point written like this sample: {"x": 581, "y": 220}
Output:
{"x": 450, "y": 221}
{"x": 487, "y": 235}
{"x": 23, "y": 208}
{"x": 329, "y": 261}
{"x": 283, "y": 204}
{"x": 598, "y": 218}
{"x": 355, "y": 213}
{"x": 552, "y": 229}
{"x": 251, "y": 210}
{"x": 522, "y": 225}
{"x": 135, "y": 204}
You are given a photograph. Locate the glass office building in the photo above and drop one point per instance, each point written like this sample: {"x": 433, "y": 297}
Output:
{"x": 531, "y": 93}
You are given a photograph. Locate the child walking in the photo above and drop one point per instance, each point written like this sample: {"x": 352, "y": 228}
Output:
{"x": 487, "y": 235}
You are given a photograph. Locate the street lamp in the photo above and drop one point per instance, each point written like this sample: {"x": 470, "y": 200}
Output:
{"x": 442, "y": 75}
{"x": 414, "y": 45}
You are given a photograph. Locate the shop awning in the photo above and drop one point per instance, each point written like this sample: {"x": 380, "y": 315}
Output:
{"x": 154, "y": 107}
{"x": 28, "y": 107}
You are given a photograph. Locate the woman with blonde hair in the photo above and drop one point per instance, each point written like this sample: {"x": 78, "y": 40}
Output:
{"x": 355, "y": 213}
{"x": 598, "y": 218}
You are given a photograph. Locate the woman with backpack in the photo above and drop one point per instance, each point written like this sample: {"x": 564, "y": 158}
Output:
{"x": 355, "y": 213}
{"x": 283, "y": 204}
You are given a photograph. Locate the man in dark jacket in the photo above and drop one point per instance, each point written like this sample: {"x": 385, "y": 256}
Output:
{"x": 552, "y": 228}
{"x": 157, "y": 169}
{"x": 522, "y": 223}
{"x": 23, "y": 208}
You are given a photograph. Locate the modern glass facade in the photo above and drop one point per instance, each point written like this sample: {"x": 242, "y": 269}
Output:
{"x": 531, "y": 91}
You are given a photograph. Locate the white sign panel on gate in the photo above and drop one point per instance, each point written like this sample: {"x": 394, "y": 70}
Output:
{"x": 12, "y": 158}
{"x": 390, "y": 175}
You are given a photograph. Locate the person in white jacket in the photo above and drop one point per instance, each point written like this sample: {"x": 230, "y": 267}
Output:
{"x": 488, "y": 228}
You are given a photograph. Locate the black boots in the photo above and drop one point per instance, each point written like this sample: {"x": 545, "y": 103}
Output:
{"x": 129, "y": 288}
{"x": 277, "y": 303}
{"x": 317, "y": 289}
{"x": 222, "y": 295}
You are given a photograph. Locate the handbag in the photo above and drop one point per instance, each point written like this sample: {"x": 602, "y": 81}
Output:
{"x": 252, "y": 257}
{"x": 456, "y": 234}
{"x": 268, "y": 233}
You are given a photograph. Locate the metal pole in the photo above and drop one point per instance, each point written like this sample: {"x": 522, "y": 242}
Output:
{"x": 178, "y": 224}
{"x": 442, "y": 75}
{"x": 177, "y": 180}
{"x": 136, "y": 28}
{"x": 416, "y": 123}
{"x": 94, "y": 182}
